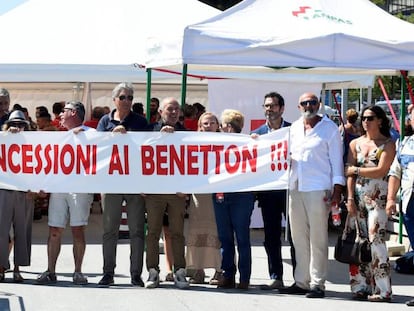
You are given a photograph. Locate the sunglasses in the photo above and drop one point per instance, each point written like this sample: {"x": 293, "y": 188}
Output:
{"x": 123, "y": 97}
{"x": 271, "y": 106}
{"x": 312, "y": 102}
{"x": 368, "y": 118}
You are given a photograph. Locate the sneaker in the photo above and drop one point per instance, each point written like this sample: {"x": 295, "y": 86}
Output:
{"x": 136, "y": 280}
{"x": 45, "y": 278}
{"x": 79, "y": 279}
{"x": 273, "y": 284}
{"x": 153, "y": 279}
{"x": 316, "y": 292}
{"x": 107, "y": 279}
{"x": 180, "y": 280}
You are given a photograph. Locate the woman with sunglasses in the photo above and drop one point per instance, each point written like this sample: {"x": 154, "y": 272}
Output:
{"x": 16, "y": 213}
{"x": 369, "y": 160}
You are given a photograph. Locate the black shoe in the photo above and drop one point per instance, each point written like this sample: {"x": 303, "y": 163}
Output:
{"x": 226, "y": 283}
{"x": 316, "y": 292}
{"x": 107, "y": 279}
{"x": 293, "y": 290}
{"x": 137, "y": 281}
{"x": 410, "y": 303}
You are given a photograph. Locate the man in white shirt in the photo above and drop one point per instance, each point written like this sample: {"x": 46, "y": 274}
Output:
{"x": 317, "y": 177}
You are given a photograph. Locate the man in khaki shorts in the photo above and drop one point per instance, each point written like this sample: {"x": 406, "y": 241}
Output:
{"x": 64, "y": 207}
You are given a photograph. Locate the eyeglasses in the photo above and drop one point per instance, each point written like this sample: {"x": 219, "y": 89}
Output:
{"x": 18, "y": 125}
{"x": 312, "y": 102}
{"x": 368, "y": 118}
{"x": 123, "y": 97}
{"x": 269, "y": 106}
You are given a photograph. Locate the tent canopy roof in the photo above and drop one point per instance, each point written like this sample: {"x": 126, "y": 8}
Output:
{"x": 297, "y": 33}
{"x": 89, "y": 40}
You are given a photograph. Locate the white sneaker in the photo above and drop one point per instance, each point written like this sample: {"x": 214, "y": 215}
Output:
{"x": 180, "y": 279}
{"x": 153, "y": 279}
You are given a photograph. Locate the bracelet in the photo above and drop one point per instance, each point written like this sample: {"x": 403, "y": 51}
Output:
{"x": 357, "y": 170}
{"x": 350, "y": 199}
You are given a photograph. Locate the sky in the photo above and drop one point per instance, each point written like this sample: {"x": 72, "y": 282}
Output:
{"x": 7, "y": 5}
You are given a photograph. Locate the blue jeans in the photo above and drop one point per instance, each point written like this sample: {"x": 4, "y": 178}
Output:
{"x": 233, "y": 218}
{"x": 408, "y": 218}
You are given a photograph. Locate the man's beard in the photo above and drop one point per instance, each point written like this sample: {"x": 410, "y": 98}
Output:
{"x": 272, "y": 116}
{"x": 309, "y": 114}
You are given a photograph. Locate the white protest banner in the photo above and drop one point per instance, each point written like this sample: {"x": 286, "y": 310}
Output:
{"x": 143, "y": 162}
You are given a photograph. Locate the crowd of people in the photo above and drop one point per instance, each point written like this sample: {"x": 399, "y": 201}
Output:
{"x": 363, "y": 167}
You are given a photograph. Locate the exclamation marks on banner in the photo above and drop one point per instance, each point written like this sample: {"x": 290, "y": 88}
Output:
{"x": 278, "y": 154}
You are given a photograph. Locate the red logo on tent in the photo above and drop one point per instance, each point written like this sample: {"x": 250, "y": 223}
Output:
{"x": 302, "y": 10}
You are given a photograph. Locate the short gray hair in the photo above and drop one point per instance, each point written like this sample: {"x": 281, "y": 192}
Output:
{"x": 78, "y": 107}
{"x": 122, "y": 86}
{"x": 4, "y": 92}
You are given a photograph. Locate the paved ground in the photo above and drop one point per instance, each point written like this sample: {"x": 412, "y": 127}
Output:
{"x": 122, "y": 296}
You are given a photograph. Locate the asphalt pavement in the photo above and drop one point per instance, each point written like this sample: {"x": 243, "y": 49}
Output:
{"x": 123, "y": 296}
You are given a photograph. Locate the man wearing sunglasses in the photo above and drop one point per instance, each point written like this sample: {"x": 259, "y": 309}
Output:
{"x": 273, "y": 203}
{"x": 317, "y": 177}
{"x": 68, "y": 207}
{"x": 122, "y": 120}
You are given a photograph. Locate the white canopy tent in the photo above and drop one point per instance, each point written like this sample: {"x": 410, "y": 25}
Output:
{"x": 53, "y": 50}
{"x": 312, "y": 33}
{"x": 89, "y": 40}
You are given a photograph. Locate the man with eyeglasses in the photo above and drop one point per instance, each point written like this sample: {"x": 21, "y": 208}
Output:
{"x": 173, "y": 204}
{"x": 4, "y": 105}
{"x": 122, "y": 120}
{"x": 316, "y": 178}
{"x": 273, "y": 202}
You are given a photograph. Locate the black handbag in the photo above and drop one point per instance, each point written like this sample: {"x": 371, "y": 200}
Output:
{"x": 351, "y": 248}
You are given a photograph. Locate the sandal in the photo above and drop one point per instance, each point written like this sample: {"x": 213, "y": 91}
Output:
{"x": 17, "y": 277}
{"x": 198, "y": 277}
{"x": 46, "y": 277}
{"x": 79, "y": 278}
{"x": 360, "y": 295}
{"x": 216, "y": 278}
{"x": 378, "y": 298}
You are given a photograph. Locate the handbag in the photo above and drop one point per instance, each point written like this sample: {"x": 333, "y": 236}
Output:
{"x": 351, "y": 247}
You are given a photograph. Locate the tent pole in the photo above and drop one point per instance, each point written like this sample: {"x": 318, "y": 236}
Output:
{"x": 402, "y": 122}
{"x": 148, "y": 113}
{"x": 184, "y": 85}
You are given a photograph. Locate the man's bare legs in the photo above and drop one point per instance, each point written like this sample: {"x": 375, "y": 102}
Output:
{"x": 79, "y": 246}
